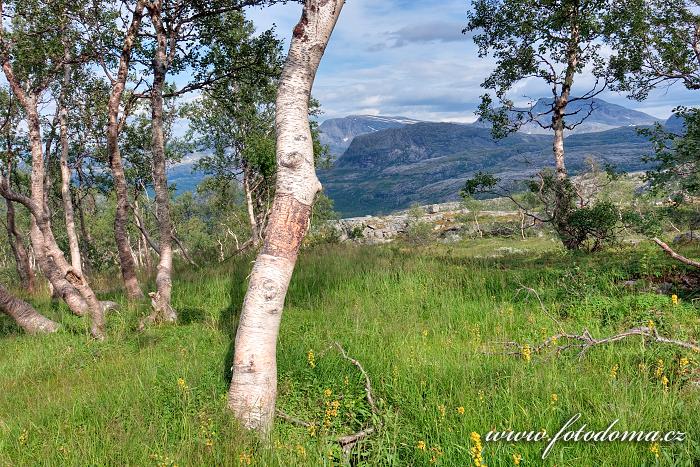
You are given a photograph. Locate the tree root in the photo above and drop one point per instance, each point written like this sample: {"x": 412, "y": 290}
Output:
{"x": 346, "y": 442}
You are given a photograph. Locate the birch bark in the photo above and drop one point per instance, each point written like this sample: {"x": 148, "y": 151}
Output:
{"x": 253, "y": 388}
{"x": 24, "y": 314}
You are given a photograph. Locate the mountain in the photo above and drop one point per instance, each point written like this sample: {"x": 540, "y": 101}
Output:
{"x": 338, "y": 133}
{"x": 605, "y": 116}
{"x": 675, "y": 124}
{"x": 429, "y": 162}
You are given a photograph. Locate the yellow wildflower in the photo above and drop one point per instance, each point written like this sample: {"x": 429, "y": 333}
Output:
{"x": 437, "y": 452}
{"x": 655, "y": 449}
{"x": 301, "y": 450}
{"x": 476, "y": 449}
{"x": 526, "y": 353}
{"x": 181, "y": 384}
{"x": 664, "y": 381}
{"x": 460, "y": 410}
{"x": 674, "y": 299}
{"x": 441, "y": 409}
{"x": 421, "y": 445}
{"x": 327, "y": 393}
{"x": 23, "y": 437}
{"x": 311, "y": 359}
{"x": 683, "y": 364}
{"x": 517, "y": 458}
{"x": 312, "y": 430}
{"x": 613, "y": 371}
{"x": 245, "y": 459}
{"x": 659, "y": 368}
{"x": 651, "y": 324}
{"x": 555, "y": 398}
{"x": 425, "y": 333}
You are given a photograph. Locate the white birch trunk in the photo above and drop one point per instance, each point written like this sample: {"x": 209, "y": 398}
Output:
{"x": 254, "y": 384}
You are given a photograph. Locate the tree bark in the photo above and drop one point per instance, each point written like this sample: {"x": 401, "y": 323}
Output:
{"x": 121, "y": 218}
{"x": 669, "y": 251}
{"x": 160, "y": 299}
{"x": 68, "y": 210}
{"x": 253, "y": 390}
{"x": 19, "y": 250}
{"x": 254, "y": 227}
{"x": 36, "y": 203}
{"x": 24, "y": 314}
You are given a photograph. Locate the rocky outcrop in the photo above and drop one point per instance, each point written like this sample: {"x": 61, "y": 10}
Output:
{"x": 449, "y": 221}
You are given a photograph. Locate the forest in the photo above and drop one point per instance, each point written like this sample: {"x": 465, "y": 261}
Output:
{"x": 545, "y": 317}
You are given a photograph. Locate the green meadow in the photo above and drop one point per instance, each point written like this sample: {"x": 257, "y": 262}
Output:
{"x": 427, "y": 324}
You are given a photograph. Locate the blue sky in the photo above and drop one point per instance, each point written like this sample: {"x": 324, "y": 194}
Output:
{"x": 409, "y": 58}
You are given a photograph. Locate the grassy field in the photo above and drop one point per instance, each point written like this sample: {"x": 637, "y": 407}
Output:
{"x": 425, "y": 323}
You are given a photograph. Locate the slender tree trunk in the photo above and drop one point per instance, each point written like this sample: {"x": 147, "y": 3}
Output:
{"x": 478, "y": 227}
{"x": 19, "y": 250}
{"x": 254, "y": 227}
{"x": 253, "y": 389}
{"x": 68, "y": 211}
{"x": 121, "y": 218}
{"x": 162, "y": 309}
{"x": 24, "y": 314}
{"x": 558, "y": 150}
{"x": 85, "y": 236}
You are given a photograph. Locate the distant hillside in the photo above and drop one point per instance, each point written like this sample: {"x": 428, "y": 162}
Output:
{"x": 338, "y": 133}
{"x": 429, "y": 162}
{"x": 605, "y": 116}
{"x": 675, "y": 124}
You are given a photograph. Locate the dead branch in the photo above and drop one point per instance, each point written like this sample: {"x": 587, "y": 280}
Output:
{"x": 368, "y": 383}
{"x": 674, "y": 255}
{"x": 585, "y": 341}
{"x": 532, "y": 291}
{"x": 348, "y": 441}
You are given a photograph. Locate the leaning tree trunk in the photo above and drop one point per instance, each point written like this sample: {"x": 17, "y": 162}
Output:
{"x": 254, "y": 384}
{"x": 121, "y": 217}
{"x": 68, "y": 210}
{"x": 24, "y": 314}
{"x": 162, "y": 309}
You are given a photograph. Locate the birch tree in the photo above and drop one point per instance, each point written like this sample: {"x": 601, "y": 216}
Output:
{"x": 116, "y": 119}
{"x": 30, "y": 66}
{"x": 253, "y": 390}
{"x": 555, "y": 42}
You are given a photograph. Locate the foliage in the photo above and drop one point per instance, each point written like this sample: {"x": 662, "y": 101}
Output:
{"x": 582, "y": 221}
{"x": 676, "y": 157}
{"x": 538, "y": 39}
{"x": 655, "y": 44}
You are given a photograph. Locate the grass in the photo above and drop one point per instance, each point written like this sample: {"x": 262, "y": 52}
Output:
{"x": 424, "y": 323}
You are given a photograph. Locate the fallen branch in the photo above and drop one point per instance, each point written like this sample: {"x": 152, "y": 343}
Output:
{"x": 346, "y": 442}
{"x": 585, "y": 341}
{"x": 674, "y": 255}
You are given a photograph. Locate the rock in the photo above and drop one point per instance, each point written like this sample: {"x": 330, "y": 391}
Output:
{"x": 687, "y": 237}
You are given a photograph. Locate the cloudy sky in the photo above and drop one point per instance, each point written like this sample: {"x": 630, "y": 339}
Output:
{"x": 409, "y": 58}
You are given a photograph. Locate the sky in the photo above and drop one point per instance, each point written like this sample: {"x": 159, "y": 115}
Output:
{"x": 409, "y": 58}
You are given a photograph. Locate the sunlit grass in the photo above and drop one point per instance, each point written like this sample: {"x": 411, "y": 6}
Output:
{"x": 424, "y": 322}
